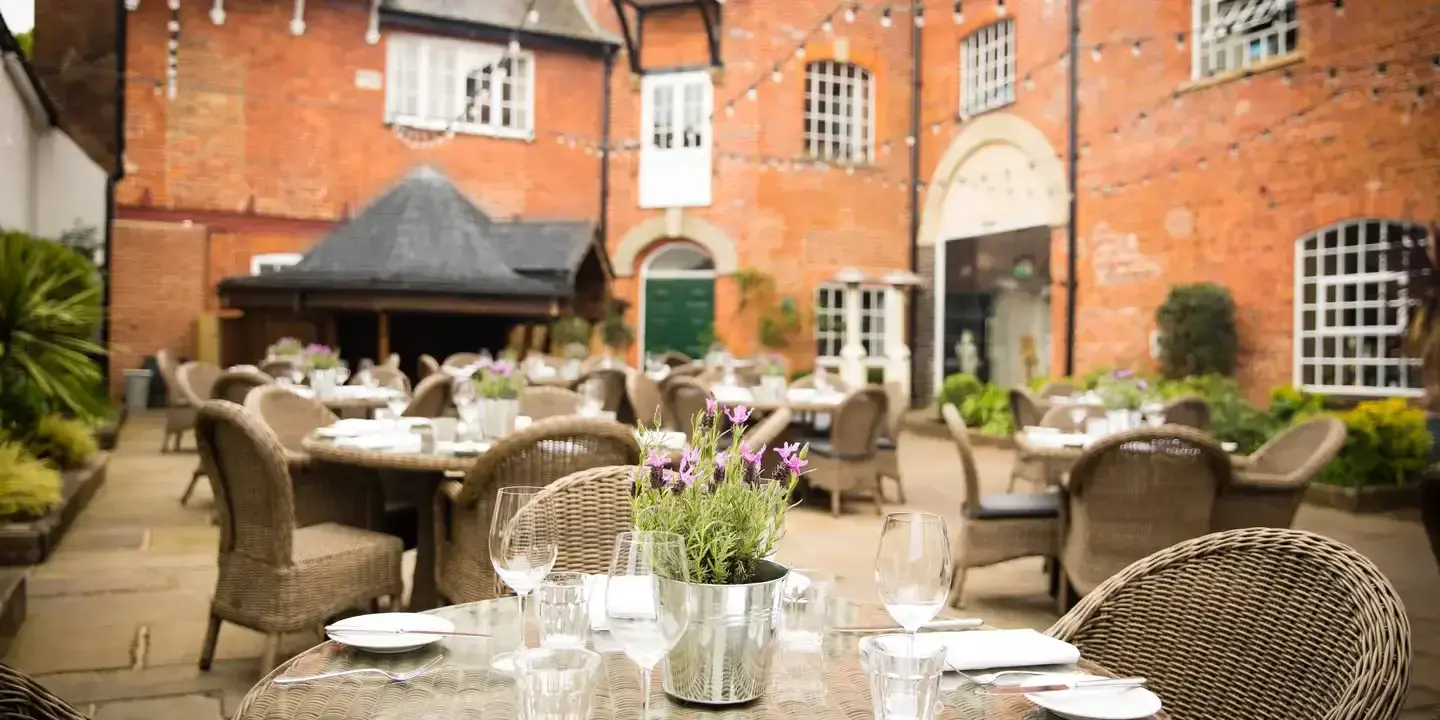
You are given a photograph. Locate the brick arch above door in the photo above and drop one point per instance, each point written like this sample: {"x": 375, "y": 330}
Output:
{"x": 626, "y": 257}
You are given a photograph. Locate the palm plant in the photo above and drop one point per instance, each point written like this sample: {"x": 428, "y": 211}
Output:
{"x": 49, "y": 313}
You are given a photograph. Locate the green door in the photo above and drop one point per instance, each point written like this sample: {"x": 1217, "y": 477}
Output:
{"x": 679, "y": 314}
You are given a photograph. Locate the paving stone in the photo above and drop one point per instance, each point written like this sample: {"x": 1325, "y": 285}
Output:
{"x": 80, "y": 688}
{"x": 105, "y": 539}
{"x": 90, "y": 582}
{"x": 49, "y": 644}
{"x": 185, "y": 540}
{"x": 180, "y": 707}
{"x": 136, "y": 608}
{"x": 178, "y": 643}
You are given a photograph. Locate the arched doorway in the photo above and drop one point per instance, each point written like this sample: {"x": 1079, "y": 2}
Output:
{"x": 677, "y": 300}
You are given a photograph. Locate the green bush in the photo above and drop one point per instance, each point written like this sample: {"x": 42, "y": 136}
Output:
{"x": 1198, "y": 334}
{"x": 989, "y": 410}
{"x": 67, "y": 443}
{"x": 957, "y": 387}
{"x": 1387, "y": 444}
{"x": 29, "y": 488}
{"x": 1289, "y": 405}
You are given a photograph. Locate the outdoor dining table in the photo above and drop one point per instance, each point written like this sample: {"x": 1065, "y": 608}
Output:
{"x": 796, "y": 399}
{"x": 1060, "y": 450}
{"x": 825, "y": 682}
{"x": 351, "y": 397}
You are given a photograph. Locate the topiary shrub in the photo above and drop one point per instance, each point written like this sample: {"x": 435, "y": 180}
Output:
{"x": 1198, "y": 334}
{"x": 989, "y": 410}
{"x": 957, "y": 387}
{"x": 67, "y": 443}
{"x": 29, "y": 488}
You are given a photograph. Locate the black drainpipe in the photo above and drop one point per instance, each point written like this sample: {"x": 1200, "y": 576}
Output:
{"x": 916, "y": 83}
{"x": 1073, "y": 151}
{"x": 118, "y": 174}
{"x": 605, "y": 149}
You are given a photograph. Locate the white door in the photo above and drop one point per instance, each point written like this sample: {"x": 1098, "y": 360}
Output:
{"x": 675, "y": 155}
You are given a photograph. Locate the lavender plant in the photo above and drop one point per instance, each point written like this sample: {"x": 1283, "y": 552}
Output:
{"x": 321, "y": 357}
{"x": 718, "y": 500}
{"x": 498, "y": 380}
{"x": 285, "y": 347}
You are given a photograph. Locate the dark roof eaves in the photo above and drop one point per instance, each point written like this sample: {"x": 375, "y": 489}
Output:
{"x": 9, "y": 44}
{"x": 423, "y": 21}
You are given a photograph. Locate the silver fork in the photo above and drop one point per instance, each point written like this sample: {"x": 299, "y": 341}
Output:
{"x": 393, "y": 676}
{"x": 990, "y": 678}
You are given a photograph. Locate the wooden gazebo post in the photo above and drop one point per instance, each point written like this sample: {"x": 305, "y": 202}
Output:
{"x": 383, "y": 331}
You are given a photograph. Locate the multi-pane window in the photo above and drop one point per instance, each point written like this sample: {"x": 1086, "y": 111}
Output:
{"x": 830, "y": 323}
{"x": 1235, "y": 34}
{"x": 272, "y": 262}
{"x": 1352, "y": 310}
{"x": 675, "y": 158}
{"x": 839, "y": 112}
{"x": 987, "y": 68}
{"x": 438, "y": 83}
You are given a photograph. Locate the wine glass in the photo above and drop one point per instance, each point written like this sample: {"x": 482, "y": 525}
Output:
{"x": 646, "y": 601}
{"x": 524, "y": 542}
{"x": 912, "y": 568}
{"x": 342, "y": 372}
{"x": 365, "y": 373}
{"x": 397, "y": 404}
{"x": 1078, "y": 413}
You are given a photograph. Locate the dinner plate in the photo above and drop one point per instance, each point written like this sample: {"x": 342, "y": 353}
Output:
{"x": 389, "y": 642}
{"x": 1132, "y": 703}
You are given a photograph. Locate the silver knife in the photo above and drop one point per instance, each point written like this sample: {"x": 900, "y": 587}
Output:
{"x": 1075, "y": 685}
{"x": 959, "y": 624}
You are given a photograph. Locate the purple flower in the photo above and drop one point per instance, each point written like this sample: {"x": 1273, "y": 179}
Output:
{"x": 752, "y": 457}
{"x": 689, "y": 456}
{"x": 1142, "y": 385}
{"x": 683, "y": 479}
{"x": 501, "y": 368}
{"x": 657, "y": 459}
{"x": 786, "y": 450}
{"x": 738, "y": 414}
{"x": 1123, "y": 374}
{"x": 709, "y": 405}
{"x": 795, "y": 463}
{"x": 721, "y": 458}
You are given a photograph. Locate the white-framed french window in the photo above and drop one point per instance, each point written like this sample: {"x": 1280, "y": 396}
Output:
{"x": 676, "y": 139}
{"x": 1236, "y": 34}
{"x": 1351, "y": 310}
{"x": 429, "y": 83}
{"x": 987, "y": 68}
{"x": 272, "y": 262}
{"x": 829, "y": 314}
{"x": 839, "y": 112}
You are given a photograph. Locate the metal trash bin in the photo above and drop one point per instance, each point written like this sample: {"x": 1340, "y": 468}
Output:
{"x": 137, "y": 389}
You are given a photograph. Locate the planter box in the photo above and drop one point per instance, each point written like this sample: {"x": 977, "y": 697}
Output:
{"x": 30, "y": 543}
{"x": 12, "y": 606}
{"x": 1371, "y": 499}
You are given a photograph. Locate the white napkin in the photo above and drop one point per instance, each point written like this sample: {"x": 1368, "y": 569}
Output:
{"x": 731, "y": 393}
{"x": 397, "y": 441}
{"x": 635, "y": 595}
{"x": 978, "y": 649}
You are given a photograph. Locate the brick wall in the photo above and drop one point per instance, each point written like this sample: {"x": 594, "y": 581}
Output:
{"x": 157, "y": 290}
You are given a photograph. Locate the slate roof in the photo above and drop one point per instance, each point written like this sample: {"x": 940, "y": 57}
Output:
{"x": 425, "y": 236}
{"x": 561, "y": 18}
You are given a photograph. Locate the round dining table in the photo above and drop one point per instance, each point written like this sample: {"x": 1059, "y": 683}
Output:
{"x": 825, "y": 682}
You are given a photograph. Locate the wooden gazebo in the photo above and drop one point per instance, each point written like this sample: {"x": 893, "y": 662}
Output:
{"x": 421, "y": 270}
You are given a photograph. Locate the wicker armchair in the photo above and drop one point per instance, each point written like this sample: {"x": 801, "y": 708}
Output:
{"x": 278, "y": 368}
{"x": 1252, "y": 624}
{"x": 392, "y": 362}
{"x": 1134, "y": 493}
{"x": 808, "y": 381}
{"x": 538, "y": 455}
{"x": 675, "y": 358}
{"x": 1059, "y": 388}
{"x": 21, "y": 698}
{"x": 1026, "y": 411}
{"x": 1267, "y": 491}
{"x": 690, "y": 370}
{"x": 1025, "y": 408}
{"x": 889, "y": 443}
{"x": 427, "y": 366}
{"x": 848, "y": 459}
{"x": 589, "y": 508}
{"x": 432, "y": 397}
{"x": 461, "y": 360}
{"x": 179, "y": 413}
{"x": 644, "y": 396}
{"x": 274, "y": 577}
{"x": 1188, "y": 411}
{"x": 997, "y": 527}
{"x": 196, "y": 381}
{"x": 601, "y": 362}
{"x": 235, "y": 384}
{"x": 683, "y": 397}
{"x": 386, "y": 376}
{"x": 541, "y": 401}
{"x": 612, "y": 386}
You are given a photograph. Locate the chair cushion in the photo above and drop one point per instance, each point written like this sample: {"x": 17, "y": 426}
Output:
{"x": 885, "y": 443}
{"x": 824, "y": 449}
{"x": 1015, "y": 505}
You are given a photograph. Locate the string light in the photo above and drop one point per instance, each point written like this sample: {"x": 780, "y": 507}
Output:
{"x": 514, "y": 47}
{"x": 919, "y": 16}
{"x": 1340, "y": 8}
{"x": 729, "y": 109}
{"x": 532, "y": 17}
{"x": 827, "y": 26}
{"x": 959, "y": 13}
{"x": 850, "y": 13}
{"x": 800, "y": 52}
{"x": 1095, "y": 52}
{"x": 1180, "y": 41}
{"x": 775, "y": 74}
{"x": 1135, "y": 49}
{"x": 750, "y": 93}
{"x": 1029, "y": 82}
{"x": 885, "y": 20}
{"x": 1000, "y": 8}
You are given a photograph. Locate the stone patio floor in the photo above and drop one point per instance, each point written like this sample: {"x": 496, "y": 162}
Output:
{"x": 117, "y": 615}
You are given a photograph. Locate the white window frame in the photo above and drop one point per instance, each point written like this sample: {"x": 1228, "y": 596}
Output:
{"x": 1328, "y": 325}
{"x": 274, "y": 260}
{"x": 828, "y": 355}
{"x": 676, "y": 164}
{"x": 844, "y": 131}
{"x": 1231, "y": 35}
{"x": 430, "y": 111}
{"x": 987, "y": 68}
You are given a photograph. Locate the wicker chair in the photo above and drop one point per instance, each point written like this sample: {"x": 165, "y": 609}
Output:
{"x": 1026, "y": 411}
{"x": 236, "y": 383}
{"x": 460, "y": 360}
{"x": 691, "y": 370}
{"x": 997, "y": 527}
{"x": 644, "y": 396}
{"x": 538, "y": 455}
{"x": 683, "y": 397}
{"x": 21, "y": 698}
{"x": 1059, "y": 417}
{"x": 432, "y": 397}
{"x": 808, "y": 381}
{"x": 612, "y": 384}
{"x": 179, "y": 413}
{"x": 675, "y": 358}
{"x": 1189, "y": 411}
{"x": 889, "y": 444}
{"x": 589, "y": 508}
{"x": 1267, "y": 491}
{"x": 386, "y": 376}
{"x": 847, "y": 460}
{"x": 1134, "y": 493}
{"x": 541, "y": 401}
{"x": 196, "y": 381}
{"x": 278, "y": 368}
{"x": 392, "y": 362}
{"x": 1059, "y": 388}
{"x": 1025, "y": 408}
{"x": 1252, "y": 624}
{"x": 427, "y": 366}
{"x": 601, "y": 362}
{"x": 274, "y": 577}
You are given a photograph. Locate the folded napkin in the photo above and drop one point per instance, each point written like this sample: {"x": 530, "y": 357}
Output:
{"x": 397, "y": 441}
{"x": 469, "y": 447}
{"x": 634, "y": 596}
{"x": 979, "y": 649}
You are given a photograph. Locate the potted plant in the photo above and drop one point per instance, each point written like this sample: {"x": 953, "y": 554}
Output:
{"x": 1123, "y": 393}
{"x": 1423, "y": 288}
{"x": 322, "y": 361}
{"x": 615, "y": 332}
{"x": 286, "y": 348}
{"x": 772, "y": 377}
{"x": 571, "y": 334}
{"x": 498, "y": 385}
{"x": 731, "y": 517}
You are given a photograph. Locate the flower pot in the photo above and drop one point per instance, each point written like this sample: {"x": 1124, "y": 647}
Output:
{"x": 724, "y": 656}
{"x": 1117, "y": 420}
{"x": 772, "y": 388}
{"x": 570, "y": 370}
{"x": 323, "y": 381}
{"x": 497, "y": 416}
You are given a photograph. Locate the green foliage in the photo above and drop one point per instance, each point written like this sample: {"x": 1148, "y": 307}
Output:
{"x": 989, "y": 410}
{"x": 1122, "y": 390}
{"x": 875, "y": 376}
{"x": 780, "y": 324}
{"x": 1387, "y": 444}
{"x": 1198, "y": 334}
{"x": 957, "y": 387}
{"x": 1289, "y": 405}
{"x": 67, "y": 443}
{"x": 1090, "y": 379}
{"x": 1039, "y": 383}
{"x": 321, "y": 357}
{"x": 570, "y": 330}
{"x": 29, "y": 488}
{"x": 730, "y": 517}
{"x": 285, "y": 347}
{"x": 26, "y": 41}
{"x": 614, "y": 331}
{"x": 499, "y": 380}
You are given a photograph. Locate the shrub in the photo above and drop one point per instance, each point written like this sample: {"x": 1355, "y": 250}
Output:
{"x": 29, "y": 488}
{"x": 1387, "y": 444}
{"x": 957, "y": 387}
{"x": 1289, "y": 405}
{"x": 1197, "y": 331}
{"x": 67, "y": 443}
{"x": 1232, "y": 417}
{"x": 989, "y": 410}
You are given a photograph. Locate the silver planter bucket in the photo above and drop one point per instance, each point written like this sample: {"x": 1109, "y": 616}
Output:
{"x": 724, "y": 656}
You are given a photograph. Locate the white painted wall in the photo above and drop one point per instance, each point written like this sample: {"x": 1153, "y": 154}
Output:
{"x": 18, "y": 139}
{"x": 70, "y": 187}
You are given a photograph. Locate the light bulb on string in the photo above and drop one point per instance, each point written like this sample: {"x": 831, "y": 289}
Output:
{"x": 1135, "y": 49}
{"x": 1000, "y": 8}
{"x": 514, "y": 47}
{"x": 750, "y": 93}
{"x": 1340, "y": 8}
{"x": 800, "y": 52}
{"x": 1180, "y": 41}
{"x": 1288, "y": 78}
{"x": 959, "y": 15}
{"x": 827, "y": 26}
{"x": 1332, "y": 76}
{"x": 935, "y": 128}
{"x": 1234, "y": 150}
{"x": 1095, "y": 52}
{"x": 1380, "y": 69}
{"x": 909, "y": 141}
{"x": 850, "y": 13}
{"x": 1029, "y": 82}
{"x": 885, "y": 20}
{"x": 919, "y": 16}
{"x": 729, "y": 109}
{"x": 532, "y": 17}
{"x": 775, "y": 74}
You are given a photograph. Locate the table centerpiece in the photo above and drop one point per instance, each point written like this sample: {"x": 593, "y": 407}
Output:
{"x": 321, "y": 362}
{"x": 1123, "y": 393}
{"x": 497, "y": 386}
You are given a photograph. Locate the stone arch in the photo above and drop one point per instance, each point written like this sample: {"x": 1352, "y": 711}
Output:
{"x": 721, "y": 248}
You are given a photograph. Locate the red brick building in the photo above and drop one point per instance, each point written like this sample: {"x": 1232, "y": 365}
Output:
{"x": 1275, "y": 147}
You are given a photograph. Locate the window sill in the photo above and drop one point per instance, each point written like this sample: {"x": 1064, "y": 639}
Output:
{"x": 972, "y": 114}
{"x": 463, "y": 129}
{"x": 1228, "y": 76}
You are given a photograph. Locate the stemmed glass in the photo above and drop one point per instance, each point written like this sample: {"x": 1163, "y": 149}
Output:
{"x": 913, "y": 569}
{"x": 1078, "y": 413}
{"x": 342, "y": 372}
{"x": 646, "y": 601}
{"x": 524, "y": 542}
{"x": 367, "y": 378}
{"x": 397, "y": 404}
